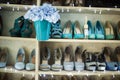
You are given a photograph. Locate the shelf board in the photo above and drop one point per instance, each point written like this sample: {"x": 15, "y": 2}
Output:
{"x": 10, "y": 69}
{"x": 82, "y": 73}
{"x": 82, "y": 40}
{"x": 71, "y": 9}
{"x": 16, "y": 38}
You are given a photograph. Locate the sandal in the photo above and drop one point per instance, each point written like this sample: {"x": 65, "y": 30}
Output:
{"x": 20, "y": 59}
{"x": 45, "y": 58}
{"x": 31, "y": 64}
{"x": 26, "y": 30}
{"x": 15, "y": 31}
{"x": 57, "y": 58}
{"x": 79, "y": 65}
{"x": 56, "y": 31}
{"x": 68, "y": 63}
{"x": 3, "y": 57}
{"x": 110, "y": 64}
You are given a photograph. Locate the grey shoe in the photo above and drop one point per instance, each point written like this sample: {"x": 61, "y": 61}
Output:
{"x": 57, "y": 60}
{"x": 31, "y": 64}
{"x": 20, "y": 65}
{"x": 68, "y": 63}
{"x": 45, "y": 57}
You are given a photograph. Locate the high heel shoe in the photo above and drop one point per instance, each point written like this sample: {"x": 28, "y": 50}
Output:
{"x": 109, "y": 33}
{"x": 20, "y": 59}
{"x": 68, "y": 63}
{"x": 15, "y": 31}
{"x": 26, "y": 30}
{"x": 99, "y": 31}
{"x": 91, "y": 31}
{"x": 110, "y": 63}
{"x": 57, "y": 59}
{"x": 31, "y": 64}
{"x": 67, "y": 30}
{"x": 45, "y": 58}
{"x": 79, "y": 64}
{"x": 3, "y": 57}
{"x": 1, "y": 25}
{"x": 78, "y": 31}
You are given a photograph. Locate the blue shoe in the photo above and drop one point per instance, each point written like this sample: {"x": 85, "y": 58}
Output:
{"x": 26, "y": 30}
{"x": 15, "y": 31}
{"x": 67, "y": 30}
{"x": 109, "y": 33}
{"x": 31, "y": 65}
{"x": 99, "y": 31}
{"x": 78, "y": 31}
{"x": 110, "y": 64}
{"x": 3, "y": 57}
{"x": 91, "y": 32}
{"x": 20, "y": 65}
{"x": 56, "y": 31}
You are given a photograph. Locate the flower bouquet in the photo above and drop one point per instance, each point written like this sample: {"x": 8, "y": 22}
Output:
{"x": 43, "y": 16}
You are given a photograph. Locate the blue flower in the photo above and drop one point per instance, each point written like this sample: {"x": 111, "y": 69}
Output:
{"x": 44, "y": 12}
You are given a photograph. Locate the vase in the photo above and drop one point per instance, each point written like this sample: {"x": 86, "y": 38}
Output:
{"x": 42, "y": 29}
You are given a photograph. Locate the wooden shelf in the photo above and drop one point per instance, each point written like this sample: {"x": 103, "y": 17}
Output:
{"x": 10, "y": 69}
{"x": 99, "y": 73}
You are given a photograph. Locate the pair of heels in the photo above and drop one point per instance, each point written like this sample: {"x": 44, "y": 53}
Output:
{"x": 1, "y": 25}
{"x": 3, "y": 57}
{"x": 20, "y": 60}
{"x": 22, "y": 28}
{"x": 57, "y": 56}
{"x": 94, "y": 61}
{"x": 72, "y": 31}
{"x": 71, "y": 61}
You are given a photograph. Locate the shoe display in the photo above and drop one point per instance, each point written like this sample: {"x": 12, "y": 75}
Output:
{"x": 31, "y": 64}
{"x": 68, "y": 63}
{"x": 99, "y": 31}
{"x": 15, "y": 31}
{"x": 57, "y": 60}
{"x": 118, "y": 30}
{"x": 26, "y": 29}
{"x": 67, "y": 30}
{"x": 109, "y": 32}
{"x": 3, "y": 57}
{"x": 91, "y": 30}
{"x": 20, "y": 59}
{"x": 56, "y": 31}
{"x": 1, "y": 25}
{"x": 79, "y": 64}
{"x": 45, "y": 58}
{"x": 110, "y": 63}
{"x": 78, "y": 31}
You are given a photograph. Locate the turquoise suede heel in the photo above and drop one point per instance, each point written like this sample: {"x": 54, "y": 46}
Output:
{"x": 78, "y": 31}
{"x": 67, "y": 30}
{"x": 99, "y": 31}
{"x": 91, "y": 31}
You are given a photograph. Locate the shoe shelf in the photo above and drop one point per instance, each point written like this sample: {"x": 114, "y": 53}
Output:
{"x": 82, "y": 40}
{"x": 10, "y": 69}
{"x": 82, "y": 73}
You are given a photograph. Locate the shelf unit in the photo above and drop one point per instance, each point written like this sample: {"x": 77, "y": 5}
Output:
{"x": 74, "y": 13}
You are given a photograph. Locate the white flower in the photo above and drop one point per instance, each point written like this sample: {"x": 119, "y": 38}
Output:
{"x": 45, "y": 12}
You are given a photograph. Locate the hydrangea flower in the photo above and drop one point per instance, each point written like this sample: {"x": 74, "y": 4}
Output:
{"x": 44, "y": 12}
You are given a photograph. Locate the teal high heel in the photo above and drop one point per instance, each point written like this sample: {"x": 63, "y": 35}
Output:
{"x": 67, "y": 30}
{"x": 99, "y": 31}
{"x": 78, "y": 31}
{"x": 26, "y": 30}
{"x": 91, "y": 31}
{"x": 15, "y": 31}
